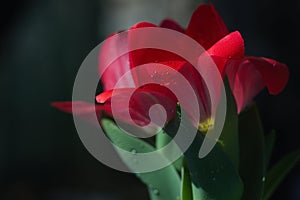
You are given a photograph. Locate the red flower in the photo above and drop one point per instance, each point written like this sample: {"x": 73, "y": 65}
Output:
{"x": 247, "y": 75}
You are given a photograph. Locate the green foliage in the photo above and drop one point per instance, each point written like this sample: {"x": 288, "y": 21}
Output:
{"x": 279, "y": 171}
{"x": 234, "y": 169}
{"x": 162, "y": 184}
{"x": 269, "y": 145}
{"x": 230, "y": 134}
{"x": 186, "y": 186}
{"x": 163, "y": 139}
{"x": 252, "y": 160}
{"x": 213, "y": 177}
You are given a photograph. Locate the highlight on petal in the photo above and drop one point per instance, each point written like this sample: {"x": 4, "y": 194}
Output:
{"x": 206, "y": 26}
{"x": 248, "y": 76}
{"x": 105, "y": 96}
{"x": 229, "y": 47}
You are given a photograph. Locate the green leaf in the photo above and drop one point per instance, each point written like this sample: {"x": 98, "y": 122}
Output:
{"x": 163, "y": 139}
{"x": 269, "y": 145}
{"x": 214, "y": 176}
{"x": 198, "y": 193}
{"x": 162, "y": 184}
{"x": 186, "y": 187}
{"x": 252, "y": 168}
{"x": 279, "y": 171}
{"x": 229, "y": 137}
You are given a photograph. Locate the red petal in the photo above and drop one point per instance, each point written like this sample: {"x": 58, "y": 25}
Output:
{"x": 170, "y": 24}
{"x": 158, "y": 93}
{"x": 82, "y": 109}
{"x": 143, "y": 25}
{"x": 112, "y": 72}
{"x": 115, "y": 70}
{"x": 275, "y": 74}
{"x": 105, "y": 96}
{"x": 196, "y": 81}
{"x": 206, "y": 26}
{"x": 113, "y": 48}
{"x": 147, "y": 55}
{"x": 140, "y": 102}
{"x": 155, "y": 73}
{"x": 230, "y": 46}
{"x": 248, "y": 76}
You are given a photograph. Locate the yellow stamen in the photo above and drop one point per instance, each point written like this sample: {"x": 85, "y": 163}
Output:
{"x": 206, "y": 125}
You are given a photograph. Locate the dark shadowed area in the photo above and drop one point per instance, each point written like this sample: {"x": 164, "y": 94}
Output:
{"x": 42, "y": 44}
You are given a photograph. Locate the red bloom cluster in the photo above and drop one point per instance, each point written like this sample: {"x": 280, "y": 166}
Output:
{"x": 247, "y": 75}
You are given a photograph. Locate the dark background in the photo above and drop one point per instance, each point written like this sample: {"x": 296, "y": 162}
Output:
{"x": 42, "y": 44}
